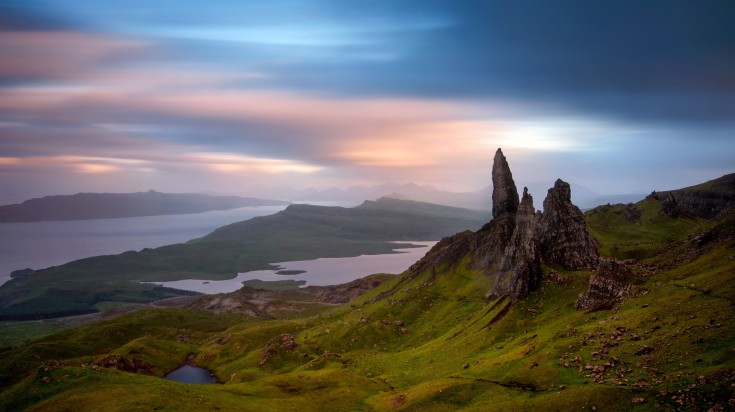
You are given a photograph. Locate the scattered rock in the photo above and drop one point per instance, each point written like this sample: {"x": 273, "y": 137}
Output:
{"x": 125, "y": 364}
{"x": 644, "y": 350}
{"x": 285, "y": 341}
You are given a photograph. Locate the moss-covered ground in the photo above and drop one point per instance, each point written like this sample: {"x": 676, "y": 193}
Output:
{"x": 428, "y": 343}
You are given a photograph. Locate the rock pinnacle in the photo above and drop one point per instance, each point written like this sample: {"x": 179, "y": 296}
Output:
{"x": 505, "y": 194}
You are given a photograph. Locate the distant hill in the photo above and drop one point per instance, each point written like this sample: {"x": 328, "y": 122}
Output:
{"x": 115, "y": 205}
{"x": 300, "y": 232}
{"x": 381, "y": 220}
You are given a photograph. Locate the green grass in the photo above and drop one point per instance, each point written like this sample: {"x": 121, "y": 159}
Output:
{"x": 639, "y": 238}
{"x": 429, "y": 343}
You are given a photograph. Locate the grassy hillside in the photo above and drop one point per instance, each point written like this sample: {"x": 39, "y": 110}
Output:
{"x": 300, "y": 232}
{"x": 430, "y": 342}
{"x": 636, "y": 231}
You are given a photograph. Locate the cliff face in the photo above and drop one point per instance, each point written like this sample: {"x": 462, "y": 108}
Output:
{"x": 511, "y": 247}
{"x": 565, "y": 240}
{"x": 706, "y": 200}
{"x": 520, "y": 264}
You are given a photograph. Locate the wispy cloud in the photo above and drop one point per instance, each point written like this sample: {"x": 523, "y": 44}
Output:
{"x": 307, "y": 92}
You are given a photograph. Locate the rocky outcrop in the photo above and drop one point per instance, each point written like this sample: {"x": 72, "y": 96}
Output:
{"x": 489, "y": 243}
{"x": 608, "y": 285}
{"x": 447, "y": 252}
{"x": 511, "y": 247}
{"x": 520, "y": 264}
{"x": 565, "y": 240}
{"x": 125, "y": 364}
{"x": 707, "y": 200}
{"x": 505, "y": 194}
{"x": 284, "y": 343}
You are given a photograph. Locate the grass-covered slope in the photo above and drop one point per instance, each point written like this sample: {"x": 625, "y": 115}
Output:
{"x": 636, "y": 231}
{"x": 427, "y": 342}
{"x": 298, "y": 233}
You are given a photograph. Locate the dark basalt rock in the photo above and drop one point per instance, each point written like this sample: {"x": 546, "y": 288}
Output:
{"x": 608, "y": 285}
{"x": 505, "y": 194}
{"x": 511, "y": 247}
{"x": 520, "y": 264}
{"x": 490, "y": 242}
{"x": 565, "y": 240}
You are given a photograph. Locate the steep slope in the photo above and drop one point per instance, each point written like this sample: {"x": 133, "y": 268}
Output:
{"x": 116, "y": 205}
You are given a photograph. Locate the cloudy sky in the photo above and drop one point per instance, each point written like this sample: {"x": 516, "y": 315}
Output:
{"x": 234, "y": 96}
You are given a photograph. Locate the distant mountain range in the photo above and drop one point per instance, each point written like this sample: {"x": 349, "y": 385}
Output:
{"x": 478, "y": 200}
{"x": 115, "y": 205}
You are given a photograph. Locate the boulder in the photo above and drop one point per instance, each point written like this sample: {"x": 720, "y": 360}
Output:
{"x": 608, "y": 285}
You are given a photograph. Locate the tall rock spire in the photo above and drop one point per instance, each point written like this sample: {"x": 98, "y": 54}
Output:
{"x": 513, "y": 245}
{"x": 505, "y": 194}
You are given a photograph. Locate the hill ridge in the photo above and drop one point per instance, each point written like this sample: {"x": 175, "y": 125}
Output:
{"x": 87, "y": 205}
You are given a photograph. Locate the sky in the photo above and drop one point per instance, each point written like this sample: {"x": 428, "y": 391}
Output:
{"x": 236, "y": 97}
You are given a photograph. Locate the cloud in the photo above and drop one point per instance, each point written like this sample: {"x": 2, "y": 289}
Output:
{"x": 45, "y": 55}
{"x": 307, "y": 92}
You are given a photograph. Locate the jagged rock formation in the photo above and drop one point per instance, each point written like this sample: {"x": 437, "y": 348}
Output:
{"x": 511, "y": 247}
{"x": 565, "y": 240}
{"x": 608, "y": 285}
{"x": 521, "y": 256}
{"x": 505, "y": 194}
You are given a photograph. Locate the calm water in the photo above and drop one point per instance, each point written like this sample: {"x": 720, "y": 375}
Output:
{"x": 191, "y": 374}
{"x": 318, "y": 272}
{"x": 39, "y": 245}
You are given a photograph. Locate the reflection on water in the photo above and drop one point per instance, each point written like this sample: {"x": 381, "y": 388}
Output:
{"x": 191, "y": 374}
{"x": 317, "y": 272}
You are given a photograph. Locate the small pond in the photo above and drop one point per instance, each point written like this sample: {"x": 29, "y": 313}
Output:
{"x": 191, "y": 374}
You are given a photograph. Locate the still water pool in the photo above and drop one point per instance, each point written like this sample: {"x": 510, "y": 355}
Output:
{"x": 191, "y": 374}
